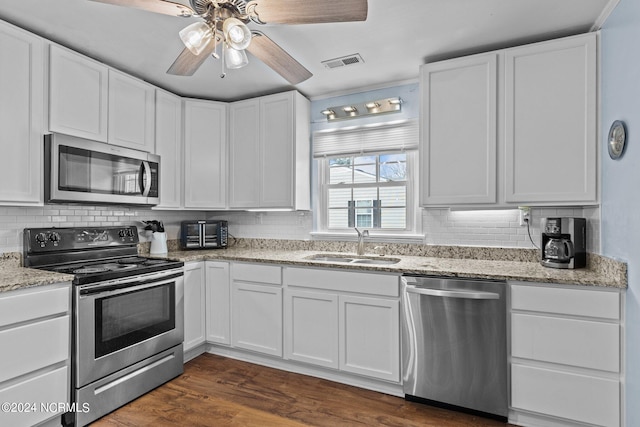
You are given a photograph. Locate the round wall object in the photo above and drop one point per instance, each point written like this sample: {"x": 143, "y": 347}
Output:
{"x": 617, "y": 137}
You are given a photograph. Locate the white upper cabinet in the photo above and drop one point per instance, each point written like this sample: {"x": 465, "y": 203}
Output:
{"x": 244, "y": 153}
{"x": 169, "y": 148}
{"x": 78, "y": 95}
{"x": 459, "y": 130}
{"x": 205, "y": 151}
{"x": 269, "y": 152}
{"x": 515, "y": 126}
{"x": 21, "y": 116}
{"x": 131, "y": 112}
{"x": 551, "y": 121}
{"x": 87, "y": 99}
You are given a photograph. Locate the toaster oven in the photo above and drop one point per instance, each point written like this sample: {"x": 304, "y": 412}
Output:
{"x": 205, "y": 234}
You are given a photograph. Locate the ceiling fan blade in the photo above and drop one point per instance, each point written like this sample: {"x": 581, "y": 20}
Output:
{"x": 187, "y": 63}
{"x": 266, "y": 50}
{"x": 309, "y": 11}
{"x": 157, "y": 6}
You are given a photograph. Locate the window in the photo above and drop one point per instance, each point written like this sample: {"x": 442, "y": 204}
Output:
{"x": 367, "y": 191}
{"x": 365, "y": 178}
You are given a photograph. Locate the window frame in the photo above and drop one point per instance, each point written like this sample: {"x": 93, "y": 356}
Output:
{"x": 413, "y": 226}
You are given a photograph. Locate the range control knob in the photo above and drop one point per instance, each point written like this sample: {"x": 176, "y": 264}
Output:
{"x": 41, "y": 238}
{"x": 54, "y": 237}
{"x": 122, "y": 232}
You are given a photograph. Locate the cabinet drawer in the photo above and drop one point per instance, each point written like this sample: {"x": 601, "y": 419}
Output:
{"x": 49, "y": 389}
{"x": 577, "y": 302}
{"x": 33, "y": 346}
{"x": 577, "y": 397}
{"x": 24, "y": 306}
{"x": 573, "y": 342}
{"x": 346, "y": 281}
{"x": 257, "y": 273}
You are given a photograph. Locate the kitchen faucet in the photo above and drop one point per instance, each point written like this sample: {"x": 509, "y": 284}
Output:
{"x": 361, "y": 235}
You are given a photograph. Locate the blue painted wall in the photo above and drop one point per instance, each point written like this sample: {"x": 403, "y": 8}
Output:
{"x": 620, "y": 80}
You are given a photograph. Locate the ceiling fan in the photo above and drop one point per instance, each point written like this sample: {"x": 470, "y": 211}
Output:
{"x": 223, "y": 27}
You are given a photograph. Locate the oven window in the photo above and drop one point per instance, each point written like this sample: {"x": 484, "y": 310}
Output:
{"x": 126, "y": 319}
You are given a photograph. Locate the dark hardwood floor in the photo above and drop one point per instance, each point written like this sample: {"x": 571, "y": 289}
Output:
{"x": 217, "y": 391}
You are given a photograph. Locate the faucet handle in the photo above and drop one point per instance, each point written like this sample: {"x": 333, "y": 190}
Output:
{"x": 365, "y": 233}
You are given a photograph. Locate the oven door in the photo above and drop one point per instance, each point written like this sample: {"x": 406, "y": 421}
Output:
{"x": 80, "y": 170}
{"x": 121, "y": 322}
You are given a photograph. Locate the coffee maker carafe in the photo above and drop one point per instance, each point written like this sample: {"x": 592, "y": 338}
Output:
{"x": 564, "y": 242}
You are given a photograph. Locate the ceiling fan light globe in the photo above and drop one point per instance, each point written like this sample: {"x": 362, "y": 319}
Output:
{"x": 235, "y": 59}
{"x": 237, "y": 34}
{"x": 196, "y": 36}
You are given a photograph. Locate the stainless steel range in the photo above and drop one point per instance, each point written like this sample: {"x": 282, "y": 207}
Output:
{"x": 128, "y": 315}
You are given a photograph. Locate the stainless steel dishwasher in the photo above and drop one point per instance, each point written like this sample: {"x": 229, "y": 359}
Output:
{"x": 454, "y": 349}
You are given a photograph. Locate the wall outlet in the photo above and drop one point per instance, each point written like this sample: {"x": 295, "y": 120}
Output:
{"x": 525, "y": 215}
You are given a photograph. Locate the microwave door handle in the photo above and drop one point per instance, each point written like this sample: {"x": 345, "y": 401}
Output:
{"x": 145, "y": 178}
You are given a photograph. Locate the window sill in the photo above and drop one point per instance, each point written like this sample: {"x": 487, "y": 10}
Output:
{"x": 373, "y": 237}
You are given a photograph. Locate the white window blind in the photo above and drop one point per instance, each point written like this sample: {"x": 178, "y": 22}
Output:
{"x": 393, "y": 137}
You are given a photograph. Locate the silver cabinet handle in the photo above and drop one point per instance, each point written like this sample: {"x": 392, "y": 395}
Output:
{"x": 445, "y": 293}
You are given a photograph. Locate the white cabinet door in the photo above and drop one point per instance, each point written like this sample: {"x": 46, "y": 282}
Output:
{"x": 244, "y": 154}
{"x": 370, "y": 337}
{"x": 218, "y": 306}
{"x": 169, "y": 148}
{"x": 131, "y": 112}
{"x": 459, "y": 131}
{"x": 194, "y": 305}
{"x": 21, "y": 116}
{"x": 277, "y": 151}
{"x": 78, "y": 95}
{"x": 257, "y": 317}
{"x": 205, "y": 147}
{"x": 269, "y": 161}
{"x": 311, "y": 327}
{"x": 551, "y": 121}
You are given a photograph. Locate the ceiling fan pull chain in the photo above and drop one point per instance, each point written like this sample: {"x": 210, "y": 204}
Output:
{"x": 222, "y": 74}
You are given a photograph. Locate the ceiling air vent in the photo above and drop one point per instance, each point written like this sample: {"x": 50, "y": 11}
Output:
{"x": 343, "y": 61}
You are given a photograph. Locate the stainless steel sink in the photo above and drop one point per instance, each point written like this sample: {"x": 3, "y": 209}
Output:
{"x": 328, "y": 258}
{"x": 353, "y": 259}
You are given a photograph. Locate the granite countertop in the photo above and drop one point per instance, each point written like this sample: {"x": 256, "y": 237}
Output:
{"x": 13, "y": 276}
{"x": 454, "y": 261}
{"x": 600, "y": 274}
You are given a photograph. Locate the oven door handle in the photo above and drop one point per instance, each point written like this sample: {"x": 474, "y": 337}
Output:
{"x": 130, "y": 284}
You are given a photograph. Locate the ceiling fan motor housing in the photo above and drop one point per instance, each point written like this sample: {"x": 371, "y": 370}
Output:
{"x": 236, "y": 7}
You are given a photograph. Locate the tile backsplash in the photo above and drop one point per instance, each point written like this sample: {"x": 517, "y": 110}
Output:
{"x": 493, "y": 228}
{"x": 14, "y": 219}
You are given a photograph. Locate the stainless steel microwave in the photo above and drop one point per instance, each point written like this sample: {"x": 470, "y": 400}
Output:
{"x": 83, "y": 171}
{"x": 212, "y": 234}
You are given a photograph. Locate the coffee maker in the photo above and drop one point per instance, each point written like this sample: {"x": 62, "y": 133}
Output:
{"x": 564, "y": 242}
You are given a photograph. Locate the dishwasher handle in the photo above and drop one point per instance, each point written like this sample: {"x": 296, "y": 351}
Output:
{"x": 447, "y": 293}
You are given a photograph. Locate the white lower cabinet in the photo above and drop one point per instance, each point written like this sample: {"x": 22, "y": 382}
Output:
{"x": 256, "y": 307}
{"x": 370, "y": 337}
{"x": 343, "y": 319}
{"x": 194, "y": 305}
{"x": 218, "y": 304}
{"x": 566, "y": 363}
{"x": 311, "y": 327}
{"x": 35, "y": 325}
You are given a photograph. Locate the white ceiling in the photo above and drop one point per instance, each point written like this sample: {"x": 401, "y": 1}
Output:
{"x": 398, "y": 36}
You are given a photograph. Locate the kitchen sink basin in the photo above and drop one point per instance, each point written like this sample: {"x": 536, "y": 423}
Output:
{"x": 353, "y": 259}
{"x": 382, "y": 261}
